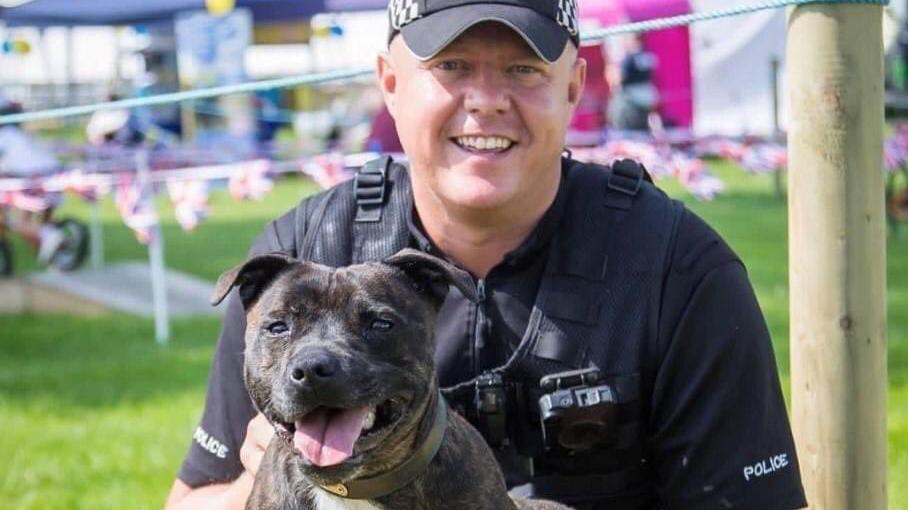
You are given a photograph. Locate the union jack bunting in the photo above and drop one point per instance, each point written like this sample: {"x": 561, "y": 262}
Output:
{"x": 29, "y": 200}
{"x": 401, "y": 12}
{"x": 190, "y": 201}
{"x": 77, "y": 182}
{"x": 895, "y": 150}
{"x": 251, "y": 181}
{"x": 327, "y": 169}
{"x": 764, "y": 158}
{"x": 134, "y": 203}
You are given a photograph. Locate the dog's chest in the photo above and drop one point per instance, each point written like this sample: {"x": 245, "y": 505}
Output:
{"x": 322, "y": 500}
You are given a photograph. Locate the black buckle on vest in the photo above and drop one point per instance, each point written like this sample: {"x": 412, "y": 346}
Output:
{"x": 369, "y": 187}
{"x": 491, "y": 406}
{"x": 626, "y": 177}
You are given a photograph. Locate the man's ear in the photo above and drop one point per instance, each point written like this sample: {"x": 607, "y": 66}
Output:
{"x": 577, "y": 83}
{"x": 251, "y": 277}
{"x": 432, "y": 275}
{"x": 387, "y": 79}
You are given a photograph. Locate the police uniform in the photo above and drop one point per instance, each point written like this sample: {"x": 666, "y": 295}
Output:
{"x": 633, "y": 284}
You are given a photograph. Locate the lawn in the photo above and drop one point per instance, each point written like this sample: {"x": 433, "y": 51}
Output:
{"x": 96, "y": 415}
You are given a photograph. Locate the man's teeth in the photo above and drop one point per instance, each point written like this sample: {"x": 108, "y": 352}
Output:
{"x": 484, "y": 143}
{"x": 369, "y": 420}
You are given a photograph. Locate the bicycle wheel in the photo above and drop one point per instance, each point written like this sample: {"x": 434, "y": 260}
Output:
{"x": 72, "y": 251}
{"x": 6, "y": 258}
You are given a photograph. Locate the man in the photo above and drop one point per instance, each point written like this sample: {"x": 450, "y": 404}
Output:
{"x": 576, "y": 268}
{"x": 635, "y": 95}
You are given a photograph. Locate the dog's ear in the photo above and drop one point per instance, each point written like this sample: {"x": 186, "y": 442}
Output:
{"x": 251, "y": 277}
{"x": 433, "y": 275}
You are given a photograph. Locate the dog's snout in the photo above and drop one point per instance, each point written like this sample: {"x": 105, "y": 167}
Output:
{"x": 314, "y": 369}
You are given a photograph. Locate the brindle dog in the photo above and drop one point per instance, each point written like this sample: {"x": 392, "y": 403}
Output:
{"x": 340, "y": 361}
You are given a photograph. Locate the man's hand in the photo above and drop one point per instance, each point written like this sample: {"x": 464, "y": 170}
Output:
{"x": 258, "y": 434}
{"x": 233, "y": 495}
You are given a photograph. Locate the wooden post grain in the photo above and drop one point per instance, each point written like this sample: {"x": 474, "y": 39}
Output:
{"x": 837, "y": 253}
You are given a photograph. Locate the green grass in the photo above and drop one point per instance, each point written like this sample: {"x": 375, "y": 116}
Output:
{"x": 95, "y": 415}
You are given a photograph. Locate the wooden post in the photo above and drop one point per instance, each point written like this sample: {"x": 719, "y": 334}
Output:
{"x": 837, "y": 251}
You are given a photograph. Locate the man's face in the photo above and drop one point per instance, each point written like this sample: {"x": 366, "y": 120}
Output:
{"x": 483, "y": 122}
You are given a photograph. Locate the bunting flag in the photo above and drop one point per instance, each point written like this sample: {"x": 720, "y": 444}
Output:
{"x": 134, "y": 203}
{"x": 895, "y": 150}
{"x": 30, "y": 200}
{"x": 251, "y": 180}
{"x": 764, "y": 158}
{"x": 327, "y": 170}
{"x": 718, "y": 147}
{"x": 693, "y": 174}
{"x": 661, "y": 161}
{"x": 78, "y": 183}
{"x": 673, "y": 153}
{"x": 190, "y": 201}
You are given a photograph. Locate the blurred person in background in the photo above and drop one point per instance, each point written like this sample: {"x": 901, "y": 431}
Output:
{"x": 23, "y": 156}
{"x": 635, "y": 97}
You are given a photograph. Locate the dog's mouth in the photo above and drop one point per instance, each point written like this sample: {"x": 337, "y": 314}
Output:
{"x": 326, "y": 436}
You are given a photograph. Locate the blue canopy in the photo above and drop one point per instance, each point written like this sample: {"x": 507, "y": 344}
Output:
{"x": 355, "y": 5}
{"x": 130, "y": 12}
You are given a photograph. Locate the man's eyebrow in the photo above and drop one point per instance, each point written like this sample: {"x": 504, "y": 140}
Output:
{"x": 523, "y": 55}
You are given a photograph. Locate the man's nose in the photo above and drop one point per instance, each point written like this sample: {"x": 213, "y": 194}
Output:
{"x": 487, "y": 93}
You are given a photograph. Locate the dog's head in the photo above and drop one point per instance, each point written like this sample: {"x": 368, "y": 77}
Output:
{"x": 341, "y": 361}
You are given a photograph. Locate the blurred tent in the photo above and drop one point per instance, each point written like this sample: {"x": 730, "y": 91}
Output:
{"x": 129, "y": 12}
{"x": 717, "y": 77}
{"x": 736, "y": 87}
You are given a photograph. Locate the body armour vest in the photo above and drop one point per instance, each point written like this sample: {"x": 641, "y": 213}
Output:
{"x": 597, "y": 308}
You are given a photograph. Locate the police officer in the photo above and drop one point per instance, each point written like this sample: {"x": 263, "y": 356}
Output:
{"x": 579, "y": 268}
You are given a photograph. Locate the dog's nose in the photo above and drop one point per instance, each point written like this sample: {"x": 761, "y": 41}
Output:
{"x": 315, "y": 368}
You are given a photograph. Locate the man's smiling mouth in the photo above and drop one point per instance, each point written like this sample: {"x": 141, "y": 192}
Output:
{"x": 487, "y": 144}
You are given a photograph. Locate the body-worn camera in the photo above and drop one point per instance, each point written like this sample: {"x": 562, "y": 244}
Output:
{"x": 578, "y": 410}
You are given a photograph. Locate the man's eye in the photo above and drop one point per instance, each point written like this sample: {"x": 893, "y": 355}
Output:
{"x": 277, "y": 328}
{"x": 449, "y": 65}
{"x": 381, "y": 325}
{"x": 523, "y": 69}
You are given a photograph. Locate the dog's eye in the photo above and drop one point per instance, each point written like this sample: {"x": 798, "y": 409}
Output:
{"x": 277, "y": 328}
{"x": 381, "y": 325}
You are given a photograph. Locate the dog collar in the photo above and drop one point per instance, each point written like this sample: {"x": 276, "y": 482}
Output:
{"x": 397, "y": 478}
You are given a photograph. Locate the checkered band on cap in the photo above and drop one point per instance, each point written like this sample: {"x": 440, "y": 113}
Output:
{"x": 567, "y": 16}
{"x": 401, "y": 12}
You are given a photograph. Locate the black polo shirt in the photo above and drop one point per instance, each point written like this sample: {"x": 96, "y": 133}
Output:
{"x": 718, "y": 434}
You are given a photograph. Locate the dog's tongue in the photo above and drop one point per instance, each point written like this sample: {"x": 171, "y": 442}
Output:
{"x": 326, "y": 436}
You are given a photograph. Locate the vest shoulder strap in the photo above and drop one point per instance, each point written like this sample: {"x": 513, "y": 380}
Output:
{"x": 624, "y": 183}
{"x": 361, "y": 220}
{"x": 616, "y": 238}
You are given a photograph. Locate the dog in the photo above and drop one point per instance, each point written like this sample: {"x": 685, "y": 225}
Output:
{"x": 341, "y": 362}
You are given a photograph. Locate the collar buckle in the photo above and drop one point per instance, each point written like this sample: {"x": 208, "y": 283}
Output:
{"x": 338, "y": 489}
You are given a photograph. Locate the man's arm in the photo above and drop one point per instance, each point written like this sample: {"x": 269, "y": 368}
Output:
{"x": 719, "y": 434}
{"x": 231, "y": 439}
{"x": 227, "y": 496}
{"x": 231, "y": 496}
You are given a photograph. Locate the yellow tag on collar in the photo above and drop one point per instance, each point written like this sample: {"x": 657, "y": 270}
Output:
{"x": 339, "y": 489}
